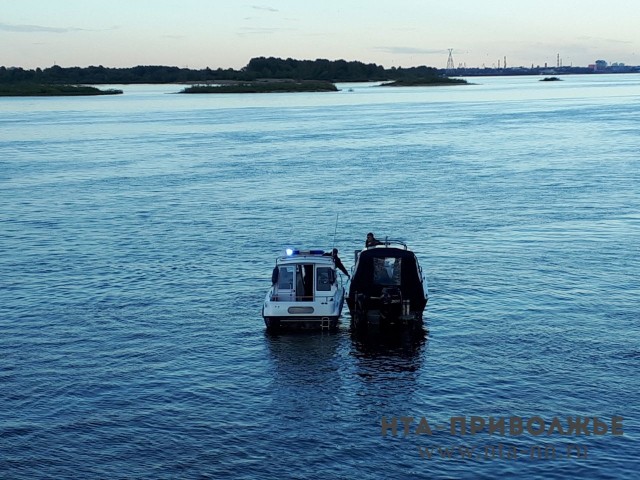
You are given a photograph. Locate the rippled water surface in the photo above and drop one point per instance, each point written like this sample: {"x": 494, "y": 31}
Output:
{"x": 138, "y": 234}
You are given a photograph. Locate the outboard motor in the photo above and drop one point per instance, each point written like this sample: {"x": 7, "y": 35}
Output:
{"x": 390, "y": 303}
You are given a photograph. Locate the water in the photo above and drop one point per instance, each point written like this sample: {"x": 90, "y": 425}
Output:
{"x": 138, "y": 234}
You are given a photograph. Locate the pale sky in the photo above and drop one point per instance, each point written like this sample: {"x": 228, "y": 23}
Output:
{"x": 227, "y": 34}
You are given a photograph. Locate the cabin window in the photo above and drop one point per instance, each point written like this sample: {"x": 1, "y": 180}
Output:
{"x": 323, "y": 279}
{"x": 285, "y": 278}
{"x": 387, "y": 271}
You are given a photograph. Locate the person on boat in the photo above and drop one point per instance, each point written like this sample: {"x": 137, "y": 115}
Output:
{"x": 338, "y": 262}
{"x": 371, "y": 241}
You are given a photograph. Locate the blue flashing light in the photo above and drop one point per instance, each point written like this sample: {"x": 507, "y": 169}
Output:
{"x": 316, "y": 252}
{"x": 289, "y": 251}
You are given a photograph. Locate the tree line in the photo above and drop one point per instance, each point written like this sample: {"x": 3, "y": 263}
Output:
{"x": 257, "y": 68}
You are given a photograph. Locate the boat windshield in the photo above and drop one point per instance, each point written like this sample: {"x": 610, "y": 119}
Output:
{"x": 387, "y": 271}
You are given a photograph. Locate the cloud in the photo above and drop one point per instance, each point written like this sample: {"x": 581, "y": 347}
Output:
{"x": 7, "y": 27}
{"x": 605, "y": 40}
{"x": 262, "y": 30}
{"x": 411, "y": 50}
{"x": 264, "y": 8}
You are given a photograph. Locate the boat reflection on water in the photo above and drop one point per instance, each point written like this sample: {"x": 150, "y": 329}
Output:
{"x": 389, "y": 350}
{"x": 308, "y": 354}
{"x": 327, "y": 359}
{"x": 344, "y": 375}
{"x": 303, "y": 356}
{"x": 398, "y": 341}
{"x": 387, "y": 371}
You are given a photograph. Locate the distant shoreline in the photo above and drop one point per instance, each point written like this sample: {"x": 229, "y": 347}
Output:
{"x": 260, "y": 75}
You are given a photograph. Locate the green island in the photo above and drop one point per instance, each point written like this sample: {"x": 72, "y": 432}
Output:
{"x": 425, "y": 82}
{"x": 264, "y": 86}
{"x": 550, "y": 79}
{"x": 44, "y": 90}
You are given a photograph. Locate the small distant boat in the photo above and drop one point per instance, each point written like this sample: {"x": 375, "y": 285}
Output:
{"x": 550, "y": 79}
{"x": 387, "y": 287}
{"x": 306, "y": 292}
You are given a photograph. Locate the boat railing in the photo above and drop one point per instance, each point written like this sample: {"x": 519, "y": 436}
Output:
{"x": 300, "y": 298}
{"x": 296, "y": 255}
{"x": 387, "y": 242}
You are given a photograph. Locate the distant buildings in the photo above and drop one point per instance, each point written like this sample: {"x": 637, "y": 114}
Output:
{"x": 600, "y": 66}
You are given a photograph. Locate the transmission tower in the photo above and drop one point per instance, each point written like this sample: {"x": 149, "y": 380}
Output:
{"x": 450, "y": 64}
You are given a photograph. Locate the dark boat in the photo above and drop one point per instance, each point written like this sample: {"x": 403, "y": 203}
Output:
{"x": 387, "y": 287}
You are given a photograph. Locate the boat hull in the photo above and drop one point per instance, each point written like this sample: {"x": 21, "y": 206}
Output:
{"x": 302, "y": 323}
{"x": 377, "y": 320}
{"x": 324, "y": 314}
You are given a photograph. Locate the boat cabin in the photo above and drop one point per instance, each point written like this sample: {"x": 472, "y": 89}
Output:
{"x": 297, "y": 281}
{"x": 387, "y": 285}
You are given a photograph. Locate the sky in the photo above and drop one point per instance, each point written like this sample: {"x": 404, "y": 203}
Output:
{"x": 396, "y": 33}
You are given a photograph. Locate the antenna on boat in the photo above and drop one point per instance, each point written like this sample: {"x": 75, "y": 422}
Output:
{"x": 335, "y": 230}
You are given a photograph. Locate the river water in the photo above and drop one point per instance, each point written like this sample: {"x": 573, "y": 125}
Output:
{"x": 138, "y": 234}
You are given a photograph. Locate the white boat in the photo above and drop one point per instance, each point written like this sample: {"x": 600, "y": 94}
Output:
{"x": 306, "y": 292}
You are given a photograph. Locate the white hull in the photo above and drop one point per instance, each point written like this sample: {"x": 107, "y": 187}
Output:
{"x": 320, "y": 312}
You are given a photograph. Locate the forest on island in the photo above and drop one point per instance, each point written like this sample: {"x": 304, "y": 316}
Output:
{"x": 257, "y": 68}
